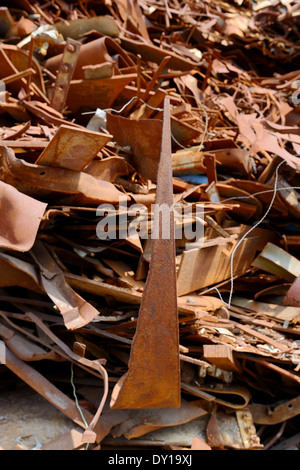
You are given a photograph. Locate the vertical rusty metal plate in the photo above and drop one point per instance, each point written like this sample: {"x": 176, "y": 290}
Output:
{"x": 153, "y": 377}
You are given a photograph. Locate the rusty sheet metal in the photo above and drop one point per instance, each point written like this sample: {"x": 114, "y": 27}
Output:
{"x": 135, "y": 423}
{"x": 44, "y": 387}
{"x": 15, "y": 110}
{"x": 247, "y": 206}
{"x": 73, "y": 148}
{"x": 235, "y": 396}
{"x": 64, "y": 74}
{"x": 20, "y": 218}
{"x": 58, "y": 185}
{"x": 220, "y": 432}
{"x": 121, "y": 294}
{"x": 24, "y": 348}
{"x": 275, "y": 413}
{"x": 105, "y": 25}
{"x": 263, "y": 193}
{"x": 195, "y": 270}
{"x": 6, "y": 21}
{"x": 183, "y": 132}
{"x": 153, "y": 377}
{"x": 247, "y": 429}
{"x": 17, "y": 132}
{"x": 14, "y": 60}
{"x": 98, "y": 93}
{"x": 92, "y": 53}
{"x": 21, "y": 28}
{"x": 199, "y": 444}
{"x": 109, "y": 168}
{"x": 232, "y": 159}
{"x": 103, "y": 289}
{"x": 277, "y": 261}
{"x": 185, "y": 160}
{"x": 75, "y": 310}
{"x": 157, "y": 54}
{"x": 46, "y": 113}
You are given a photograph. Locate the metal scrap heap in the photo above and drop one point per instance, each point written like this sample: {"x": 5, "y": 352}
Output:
{"x": 150, "y": 220}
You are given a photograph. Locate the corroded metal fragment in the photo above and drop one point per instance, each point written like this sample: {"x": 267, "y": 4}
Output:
{"x": 153, "y": 378}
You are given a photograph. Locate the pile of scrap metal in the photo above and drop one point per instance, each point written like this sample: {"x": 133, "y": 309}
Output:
{"x": 108, "y": 110}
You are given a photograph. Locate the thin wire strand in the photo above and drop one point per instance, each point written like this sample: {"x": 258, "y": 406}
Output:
{"x": 125, "y": 106}
{"x": 76, "y": 400}
{"x": 260, "y": 192}
{"x": 155, "y": 109}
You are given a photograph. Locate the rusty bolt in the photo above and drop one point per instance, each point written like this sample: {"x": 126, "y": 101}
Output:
{"x": 70, "y": 48}
{"x": 65, "y": 68}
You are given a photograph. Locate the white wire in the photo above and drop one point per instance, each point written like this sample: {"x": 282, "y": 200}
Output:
{"x": 242, "y": 239}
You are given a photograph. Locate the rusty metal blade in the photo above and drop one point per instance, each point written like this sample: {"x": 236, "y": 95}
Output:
{"x": 65, "y": 74}
{"x": 153, "y": 377}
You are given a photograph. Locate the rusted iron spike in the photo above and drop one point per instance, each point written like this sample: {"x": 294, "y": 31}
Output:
{"x": 65, "y": 74}
{"x": 46, "y": 389}
{"x": 153, "y": 377}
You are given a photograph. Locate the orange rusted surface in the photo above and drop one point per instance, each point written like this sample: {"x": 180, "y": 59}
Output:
{"x": 153, "y": 378}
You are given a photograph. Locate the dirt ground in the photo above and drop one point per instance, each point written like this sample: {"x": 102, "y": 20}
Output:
{"x": 27, "y": 420}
